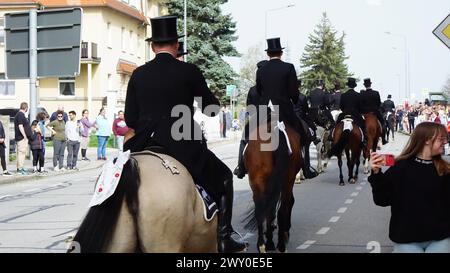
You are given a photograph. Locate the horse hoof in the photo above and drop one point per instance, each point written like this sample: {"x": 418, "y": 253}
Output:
{"x": 341, "y": 184}
{"x": 298, "y": 180}
{"x": 352, "y": 181}
{"x": 281, "y": 248}
{"x": 262, "y": 249}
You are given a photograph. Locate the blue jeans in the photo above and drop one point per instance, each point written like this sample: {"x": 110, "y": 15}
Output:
{"x": 442, "y": 246}
{"x": 101, "y": 149}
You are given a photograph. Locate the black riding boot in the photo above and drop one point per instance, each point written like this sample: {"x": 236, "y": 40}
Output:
{"x": 240, "y": 170}
{"x": 225, "y": 243}
{"x": 308, "y": 171}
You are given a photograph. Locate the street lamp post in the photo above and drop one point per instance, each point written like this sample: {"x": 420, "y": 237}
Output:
{"x": 407, "y": 91}
{"x": 267, "y": 11}
{"x": 185, "y": 30}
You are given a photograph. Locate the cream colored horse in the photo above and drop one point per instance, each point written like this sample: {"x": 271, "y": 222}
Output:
{"x": 167, "y": 217}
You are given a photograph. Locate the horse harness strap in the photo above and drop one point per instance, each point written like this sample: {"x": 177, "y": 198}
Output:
{"x": 166, "y": 163}
{"x": 280, "y": 126}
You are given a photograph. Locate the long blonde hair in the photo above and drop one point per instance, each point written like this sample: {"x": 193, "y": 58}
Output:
{"x": 424, "y": 132}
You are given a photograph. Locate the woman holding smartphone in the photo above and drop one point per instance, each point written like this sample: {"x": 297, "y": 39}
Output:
{"x": 418, "y": 190}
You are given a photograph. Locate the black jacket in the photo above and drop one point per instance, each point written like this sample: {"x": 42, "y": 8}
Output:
{"x": 370, "y": 101}
{"x": 419, "y": 199}
{"x": 388, "y": 105}
{"x": 350, "y": 102}
{"x": 317, "y": 98}
{"x": 252, "y": 99}
{"x": 277, "y": 81}
{"x": 301, "y": 108}
{"x": 153, "y": 91}
{"x": 336, "y": 101}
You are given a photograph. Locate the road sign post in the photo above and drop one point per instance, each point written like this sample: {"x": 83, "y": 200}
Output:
{"x": 42, "y": 43}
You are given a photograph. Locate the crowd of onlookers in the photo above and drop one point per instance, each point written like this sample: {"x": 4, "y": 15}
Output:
{"x": 66, "y": 131}
{"x": 409, "y": 116}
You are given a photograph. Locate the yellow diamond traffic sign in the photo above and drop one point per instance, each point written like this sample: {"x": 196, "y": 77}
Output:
{"x": 442, "y": 31}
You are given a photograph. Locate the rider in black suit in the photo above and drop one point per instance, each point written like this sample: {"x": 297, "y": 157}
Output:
{"x": 371, "y": 103}
{"x": 350, "y": 104}
{"x": 153, "y": 91}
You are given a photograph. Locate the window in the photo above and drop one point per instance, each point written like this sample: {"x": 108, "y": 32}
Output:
{"x": 7, "y": 87}
{"x": 123, "y": 39}
{"x": 131, "y": 44}
{"x": 67, "y": 86}
{"x": 109, "y": 31}
{"x": 2, "y": 30}
{"x": 138, "y": 46}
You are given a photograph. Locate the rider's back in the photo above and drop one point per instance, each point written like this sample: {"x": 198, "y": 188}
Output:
{"x": 370, "y": 101}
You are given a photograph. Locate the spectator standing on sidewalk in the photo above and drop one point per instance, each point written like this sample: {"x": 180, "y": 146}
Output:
{"x": 58, "y": 128}
{"x": 37, "y": 147}
{"x": 73, "y": 140}
{"x": 2, "y": 150}
{"x": 86, "y": 126}
{"x": 55, "y": 114}
{"x": 43, "y": 120}
{"x": 417, "y": 188}
{"x": 22, "y": 130}
{"x": 103, "y": 133}
{"x": 120, "y": 128}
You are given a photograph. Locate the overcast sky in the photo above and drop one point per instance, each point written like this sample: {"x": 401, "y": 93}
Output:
{"x": 372, "y": 53}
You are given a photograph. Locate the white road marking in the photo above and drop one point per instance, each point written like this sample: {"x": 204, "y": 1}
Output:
{"x": 30, "y": 190}
{"x": 348, "y": 201}
{"x": 4, "y": 196}
{"x": 342, "y": 210}
{"x": 334, "y": 219}
{"x": 306, "y": 244}
{"x": 359, "y": 188}
{"x": 363, "y": 183}
{"x": 323, "y": 231}
{"x": 354, "y": 194}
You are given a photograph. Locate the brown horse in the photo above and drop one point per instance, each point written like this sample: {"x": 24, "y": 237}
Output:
{"x": 373, "y": 131}
{"x": 272, "y": 173}
{"x": 350, "y": 140}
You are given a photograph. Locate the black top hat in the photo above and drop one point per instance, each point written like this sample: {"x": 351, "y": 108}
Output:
{"x": 164, "y": 29}
{"x": 389, "y": 96}
{"x": 274, "y": 45}
{"x": 337, "y": 85}
{"x": 181, "y": 49}
{"x": 367, "y": 82}
{"x": 319, "y": 82}
{"x": 261, "y": 63}
{"x": 351, "y": 82}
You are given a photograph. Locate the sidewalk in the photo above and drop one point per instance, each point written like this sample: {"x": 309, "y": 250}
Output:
{"x": 81, "y": 165}
{"x": 232, "y": 136}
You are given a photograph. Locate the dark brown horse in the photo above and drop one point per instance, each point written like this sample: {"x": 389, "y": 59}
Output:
{"x": 272, "y": 174}
{"x": 373, "y": 131}
{"x": 350, "y": 140}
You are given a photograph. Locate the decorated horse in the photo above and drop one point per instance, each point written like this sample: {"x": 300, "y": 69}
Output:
{"x": 390, "y": 124}
{"x": 272, "y": 163}
{"x": 373, "y": 131}
{"x": 156, "y": 207}
{"x": 348, "y": 137}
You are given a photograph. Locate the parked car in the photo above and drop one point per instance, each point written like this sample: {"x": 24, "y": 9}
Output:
{"x": 11, "y": 112}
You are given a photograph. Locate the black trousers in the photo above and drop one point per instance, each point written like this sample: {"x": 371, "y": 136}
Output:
{"x": 38, "y": 156}
{"x": 2, "y": 156}
{"x": 411, "y": 125}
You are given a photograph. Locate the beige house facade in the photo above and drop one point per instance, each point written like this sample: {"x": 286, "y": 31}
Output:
{"x": 113, "y": 45}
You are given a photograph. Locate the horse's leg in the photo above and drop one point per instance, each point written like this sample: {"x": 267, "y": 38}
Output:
{"x": 341, "y": 177}
{"x": 319, "y": 157}
{"x": 350, "y": 164}
{"x": 270, "y": 227}
{"x": 357, "y": 161}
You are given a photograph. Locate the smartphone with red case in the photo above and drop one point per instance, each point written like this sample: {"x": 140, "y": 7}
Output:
{"x": 389, "y": 160}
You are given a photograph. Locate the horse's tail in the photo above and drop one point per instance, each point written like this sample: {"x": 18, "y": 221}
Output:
{"x": 339, "y": 146}
{"x": 98, "y": 225}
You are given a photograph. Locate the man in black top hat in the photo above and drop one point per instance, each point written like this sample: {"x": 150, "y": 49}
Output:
{"x": 302, "y": 111}
{"x": 276, "y": 82}
{"x": 336, "y": 97}
{"x": 388, "y": 105}
{"x": 371, "y": 103}
{"x": 153, "y": 91}
{"x": 350, "y": 104}
{"x": 319, "y": 99}
{"x": 253, "y": 99}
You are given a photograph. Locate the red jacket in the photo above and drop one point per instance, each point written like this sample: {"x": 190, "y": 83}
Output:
{"x": 120, "y": 128}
